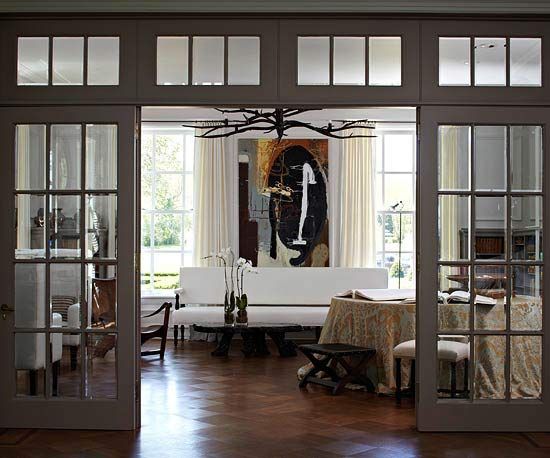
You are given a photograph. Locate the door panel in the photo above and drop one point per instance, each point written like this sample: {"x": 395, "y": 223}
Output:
{"x": 68, "y": 323}
{"x": 483, "y": 182}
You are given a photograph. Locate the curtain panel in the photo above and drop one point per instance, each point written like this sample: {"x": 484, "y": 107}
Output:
{"x": 211, "y": 228}
{"x": 357, "y": 201}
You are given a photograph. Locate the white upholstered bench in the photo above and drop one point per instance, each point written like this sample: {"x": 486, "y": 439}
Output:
{"x": 278, "y": 295}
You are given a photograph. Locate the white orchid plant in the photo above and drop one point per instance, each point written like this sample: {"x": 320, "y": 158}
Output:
{"x": 234, "y": 272}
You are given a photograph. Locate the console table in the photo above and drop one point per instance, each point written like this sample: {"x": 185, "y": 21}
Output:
{"x": 253, "y": 335}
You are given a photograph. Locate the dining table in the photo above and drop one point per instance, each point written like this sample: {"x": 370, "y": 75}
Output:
{"x": 384, "y": 324}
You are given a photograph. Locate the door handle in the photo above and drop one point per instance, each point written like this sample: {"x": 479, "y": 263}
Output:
{"x": 4, "y": 308}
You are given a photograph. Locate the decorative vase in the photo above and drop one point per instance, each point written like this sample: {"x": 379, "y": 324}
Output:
{"x": 242, "y": 317}
{"x": 229, "y": 318}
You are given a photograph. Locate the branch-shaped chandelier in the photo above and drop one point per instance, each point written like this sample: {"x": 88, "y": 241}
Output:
{"x": 278, "y": 121}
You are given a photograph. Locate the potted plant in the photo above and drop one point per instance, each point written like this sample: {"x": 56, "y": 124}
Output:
{"x": 227, "y": 258}
{"x": 234, "y": 277}
{"x": 243, "y": 266}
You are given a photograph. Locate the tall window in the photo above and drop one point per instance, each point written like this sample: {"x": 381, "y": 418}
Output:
{"x": 166, "y": 206}
{"x": 395, "y": 181}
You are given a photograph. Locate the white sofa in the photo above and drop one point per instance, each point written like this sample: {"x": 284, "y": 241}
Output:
{"x": 30, "y": 348}
{"x": 276, "y": 294}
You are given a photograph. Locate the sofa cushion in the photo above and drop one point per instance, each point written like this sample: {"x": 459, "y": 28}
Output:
{"x": 306, "y": 316}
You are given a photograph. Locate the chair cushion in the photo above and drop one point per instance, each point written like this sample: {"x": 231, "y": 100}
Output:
{"x": 446, "y": 350}
{"x": 405, "y": 350}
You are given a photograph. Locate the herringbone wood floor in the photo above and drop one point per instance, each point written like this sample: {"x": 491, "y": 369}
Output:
{"x": 194, "y": 405}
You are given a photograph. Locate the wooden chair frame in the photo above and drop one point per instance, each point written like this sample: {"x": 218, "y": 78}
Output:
{"x": 157, "y": 330}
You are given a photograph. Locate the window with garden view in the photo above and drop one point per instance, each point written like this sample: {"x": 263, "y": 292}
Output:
{"x": 166, "y": 206}
{"x": 395, "y": 181}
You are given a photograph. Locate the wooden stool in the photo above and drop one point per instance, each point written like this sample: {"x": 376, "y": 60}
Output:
{"x": 332, "y": 355}
{"x": 447, "y": 350}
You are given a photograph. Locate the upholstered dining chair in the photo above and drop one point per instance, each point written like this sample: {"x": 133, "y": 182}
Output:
{"x": 447, "y": 350}
{"x": 157, "y": 330}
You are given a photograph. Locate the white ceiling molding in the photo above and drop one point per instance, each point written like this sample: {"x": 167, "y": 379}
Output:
{"x": 277, "y": 6}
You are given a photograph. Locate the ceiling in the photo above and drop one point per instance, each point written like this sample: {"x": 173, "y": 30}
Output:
{"x": 279, "y": 6}
{"x": 392, "y": 114}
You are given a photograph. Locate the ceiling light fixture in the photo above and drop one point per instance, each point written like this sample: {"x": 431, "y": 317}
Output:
{"x": 278, "y": 120}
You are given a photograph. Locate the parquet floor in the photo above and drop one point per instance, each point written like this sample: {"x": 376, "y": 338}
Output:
{"x": 194, "y": 405}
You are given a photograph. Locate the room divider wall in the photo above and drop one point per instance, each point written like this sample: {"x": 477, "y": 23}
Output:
{"x": 273, "y": 61}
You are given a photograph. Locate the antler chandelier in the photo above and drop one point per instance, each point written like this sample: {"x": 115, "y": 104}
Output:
{"x": 278, "y": 121}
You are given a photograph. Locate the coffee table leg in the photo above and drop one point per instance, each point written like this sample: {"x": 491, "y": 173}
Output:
{"x": 286, "y": 347}
{"x": 224, "y": 344}
{"x": 254, "y": 343}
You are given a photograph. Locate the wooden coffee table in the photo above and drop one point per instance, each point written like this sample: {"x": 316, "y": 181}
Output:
{"x": 253, "y": 336}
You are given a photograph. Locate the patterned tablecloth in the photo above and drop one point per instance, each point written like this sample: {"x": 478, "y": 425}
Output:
{"x": 383, "y": 325}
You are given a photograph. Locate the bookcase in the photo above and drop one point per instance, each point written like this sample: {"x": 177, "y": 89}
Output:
{"x": 491, "y": 244}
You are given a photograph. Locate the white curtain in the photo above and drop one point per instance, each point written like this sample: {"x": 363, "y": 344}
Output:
{"x": 357, "y": 201}
{"x": 449, "y": 238}
{"x": 211, "y": 231}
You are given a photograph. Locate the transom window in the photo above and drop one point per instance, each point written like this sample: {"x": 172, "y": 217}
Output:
{"x": 349, "y": 61}
{"x": 60, "y": 61}
{"x": 208, "y": 60}
{"x": 498, "y": 61}
{"x": 395, "y": 183}
{"x": 167, "y": 206}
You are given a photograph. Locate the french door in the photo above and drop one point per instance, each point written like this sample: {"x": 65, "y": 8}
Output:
{"x": 483, "y": 205}
{"x": 67, "y": 319}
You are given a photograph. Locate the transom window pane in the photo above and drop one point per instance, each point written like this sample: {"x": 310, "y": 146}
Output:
{"x": 313, "y": 61}
{"x": 385, "y": 61}
{"x": 32, "y": 61}
{"x": 490, "y": 61}
{"x": 525, "y": 62}
{"x": 243, "y": 56}
{"x": 172, "y": 60}
{"x": 103, "y": 61}
{"x": 208, "y": 61}
{"x": 68, "y": 61}
{"x": 349, "y": 60}
{"x": 454, "y": 61}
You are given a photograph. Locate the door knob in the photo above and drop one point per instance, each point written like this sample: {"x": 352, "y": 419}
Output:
{"x": 4, "y": 308}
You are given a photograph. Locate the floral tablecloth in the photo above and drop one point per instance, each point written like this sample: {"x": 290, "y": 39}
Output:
{"x": 379, "y": 325}
{"x": 383, "y": 325}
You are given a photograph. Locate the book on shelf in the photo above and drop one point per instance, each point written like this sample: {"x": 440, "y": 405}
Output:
{"x": 380, "y": 294}
{"x": 463, "y": 297}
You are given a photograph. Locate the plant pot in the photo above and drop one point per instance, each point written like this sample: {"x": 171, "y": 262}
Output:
{"x": 242, "y": 318}
{"x": 229, "y": 318}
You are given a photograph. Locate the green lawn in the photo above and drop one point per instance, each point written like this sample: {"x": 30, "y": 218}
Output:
{"x": 168, "y": 281}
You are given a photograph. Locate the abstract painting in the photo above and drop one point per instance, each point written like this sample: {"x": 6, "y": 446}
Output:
{"x": 283, "y": 202}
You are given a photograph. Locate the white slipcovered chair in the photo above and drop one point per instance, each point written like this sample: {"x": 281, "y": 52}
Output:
{"x": 452, "y": 351}
{"x": 30, "y": 354}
